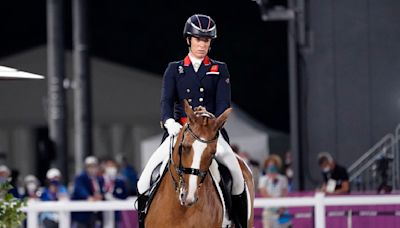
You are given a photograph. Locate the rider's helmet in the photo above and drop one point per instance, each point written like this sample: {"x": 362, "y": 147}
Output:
{"x": 200, "y": 25}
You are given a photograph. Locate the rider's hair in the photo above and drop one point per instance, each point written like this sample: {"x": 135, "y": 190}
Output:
{"x": 275, "y": 159}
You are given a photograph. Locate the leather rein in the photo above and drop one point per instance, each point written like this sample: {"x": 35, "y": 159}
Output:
{"x": 180, "y": 170}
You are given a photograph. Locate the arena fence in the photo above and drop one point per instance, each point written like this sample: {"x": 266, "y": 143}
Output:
{"x": 319, "y": 201}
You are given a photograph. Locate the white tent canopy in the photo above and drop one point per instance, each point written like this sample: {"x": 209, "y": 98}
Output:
{"x": 243, "y": 131}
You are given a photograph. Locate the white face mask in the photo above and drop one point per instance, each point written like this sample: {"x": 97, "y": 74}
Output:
{"x": 31, "y": 187}
{"x": 326, "y": 169}
{"x": 111, "y": 172}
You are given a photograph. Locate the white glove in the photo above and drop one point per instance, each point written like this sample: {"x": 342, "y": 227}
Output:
{"x": 172, "y": 126}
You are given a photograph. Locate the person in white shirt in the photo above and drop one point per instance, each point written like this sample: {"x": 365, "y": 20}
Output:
{"x": 273, "y": 185}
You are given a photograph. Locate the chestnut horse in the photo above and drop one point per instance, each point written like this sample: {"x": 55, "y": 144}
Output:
{"x": 187, "y": 196}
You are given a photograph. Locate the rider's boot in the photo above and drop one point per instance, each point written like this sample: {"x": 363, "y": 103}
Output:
{"x": 142, "y": 202}
{"x": 239, "y": 209}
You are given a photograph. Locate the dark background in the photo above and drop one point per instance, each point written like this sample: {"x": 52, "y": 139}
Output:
{"x": 148, "y": 35}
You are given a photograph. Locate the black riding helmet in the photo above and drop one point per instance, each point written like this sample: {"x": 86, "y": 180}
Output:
{"x": 200, "y": 25}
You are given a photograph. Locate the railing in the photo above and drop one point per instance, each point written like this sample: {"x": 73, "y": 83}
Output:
{"x": 64, "y": 209}
{"x": 397, "y": 156}
{"x": 365, "y": 161}
{"x": 319, "y": 201}
{"x": 366, "y": 174}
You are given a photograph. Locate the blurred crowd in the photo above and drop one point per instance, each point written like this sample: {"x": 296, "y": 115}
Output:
{"x": 115, "y": 179}
{"x": 105, "y": 179}
{"x": 274, "y": 178}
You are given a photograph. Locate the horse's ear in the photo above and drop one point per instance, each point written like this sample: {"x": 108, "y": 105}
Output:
{"x": 188, "y": 110}
{"x": 222, "y": 118}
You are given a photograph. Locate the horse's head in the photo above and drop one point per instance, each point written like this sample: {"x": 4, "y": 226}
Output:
{"x": 195, "y": 148}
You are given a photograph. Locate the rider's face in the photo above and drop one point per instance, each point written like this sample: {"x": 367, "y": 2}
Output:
{"x": 199, "y": 46}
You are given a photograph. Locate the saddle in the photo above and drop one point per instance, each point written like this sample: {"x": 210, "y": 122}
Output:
{"x": 223, "y": 187}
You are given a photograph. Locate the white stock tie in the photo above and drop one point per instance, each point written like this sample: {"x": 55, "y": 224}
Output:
{"x": 196, "y": 66}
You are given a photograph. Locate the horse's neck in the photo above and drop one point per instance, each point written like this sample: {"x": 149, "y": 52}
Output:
{"x": 167, "y": 188}
{"x": 178, "y": 214}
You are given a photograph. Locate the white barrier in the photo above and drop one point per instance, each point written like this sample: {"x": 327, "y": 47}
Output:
{"x": 64, "y": 208}
{"x": 319, "y": 201}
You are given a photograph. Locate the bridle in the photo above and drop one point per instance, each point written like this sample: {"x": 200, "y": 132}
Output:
{"x": 180, "y": 170}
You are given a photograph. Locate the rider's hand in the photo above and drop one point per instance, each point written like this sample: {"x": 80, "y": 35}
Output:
{"x": 172, "y": 126}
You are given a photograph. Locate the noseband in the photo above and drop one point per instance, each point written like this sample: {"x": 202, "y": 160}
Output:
{"x": 180, "y": 170}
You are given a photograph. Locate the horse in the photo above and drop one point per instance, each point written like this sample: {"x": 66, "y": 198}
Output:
{"x": 186, "y": 196}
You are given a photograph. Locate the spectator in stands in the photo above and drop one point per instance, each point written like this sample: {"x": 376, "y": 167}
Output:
{"x": 335, "y": 176}
{"x": 289, "y": 170}
{"x": 31, "y": 187}
{"x": 88, "y": 186}
{"x": 114, "y": 185}
{"x": 54, "y": 191}
{"x": 4, "y": 174}
{"x": 5, "y": 177}
{"x": 272, "y": 185}
{"x": 129, "y": 174}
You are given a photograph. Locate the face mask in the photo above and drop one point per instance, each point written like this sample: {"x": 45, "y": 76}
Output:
{"x": 55, "y": 182}
{"x": 272, "y": 169}
{"x": 326, "y": 169}
{"x": 31, "y": 187}
{"x": 111, "y": 172}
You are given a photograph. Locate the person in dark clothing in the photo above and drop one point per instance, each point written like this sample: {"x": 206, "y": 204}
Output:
{"x": 335, "y": 177}
{"x": 129, "y": 175}
{"x": 7, "y": 177}
{"x": 88, "y": 185}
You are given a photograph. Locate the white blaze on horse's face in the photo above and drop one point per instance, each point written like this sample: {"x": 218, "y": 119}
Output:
{"x": 192, "y": 195}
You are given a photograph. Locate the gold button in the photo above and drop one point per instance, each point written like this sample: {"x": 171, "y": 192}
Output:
{"x": 201, "y": 99}
{"x": 188, "y": 90}
{"x": 201, "y": 89}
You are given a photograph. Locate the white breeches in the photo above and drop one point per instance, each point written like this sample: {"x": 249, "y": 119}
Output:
{"x": 224, "y": 155}
{"x": 156, "y": 158}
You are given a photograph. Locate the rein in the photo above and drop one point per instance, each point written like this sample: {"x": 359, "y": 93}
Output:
{"x": 180, "y": 170}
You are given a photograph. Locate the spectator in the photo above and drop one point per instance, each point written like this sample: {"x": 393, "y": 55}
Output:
{"x": 53, "y": 192}
{"x": 31, "y": 187}
{"x": 129, "y": 174}
{"x": 335, "y": 177}
{"x": 114, "y": 186}
{"x": 6, "y": 178}
{"x": 272, "y": 185}
{"x": 4, "y": 174}
{"x": 289, "y": 170}
{"x": 88, "y": 186}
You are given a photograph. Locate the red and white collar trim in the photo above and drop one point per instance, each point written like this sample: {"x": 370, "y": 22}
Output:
{"x": 187, "y": 62}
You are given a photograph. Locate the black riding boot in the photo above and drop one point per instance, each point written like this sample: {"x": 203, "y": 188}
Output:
{"x": 142, "y": 202}
{"x": 239, "y": 209}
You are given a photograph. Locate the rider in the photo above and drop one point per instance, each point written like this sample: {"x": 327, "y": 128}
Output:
{"x": 202, "y": 82}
